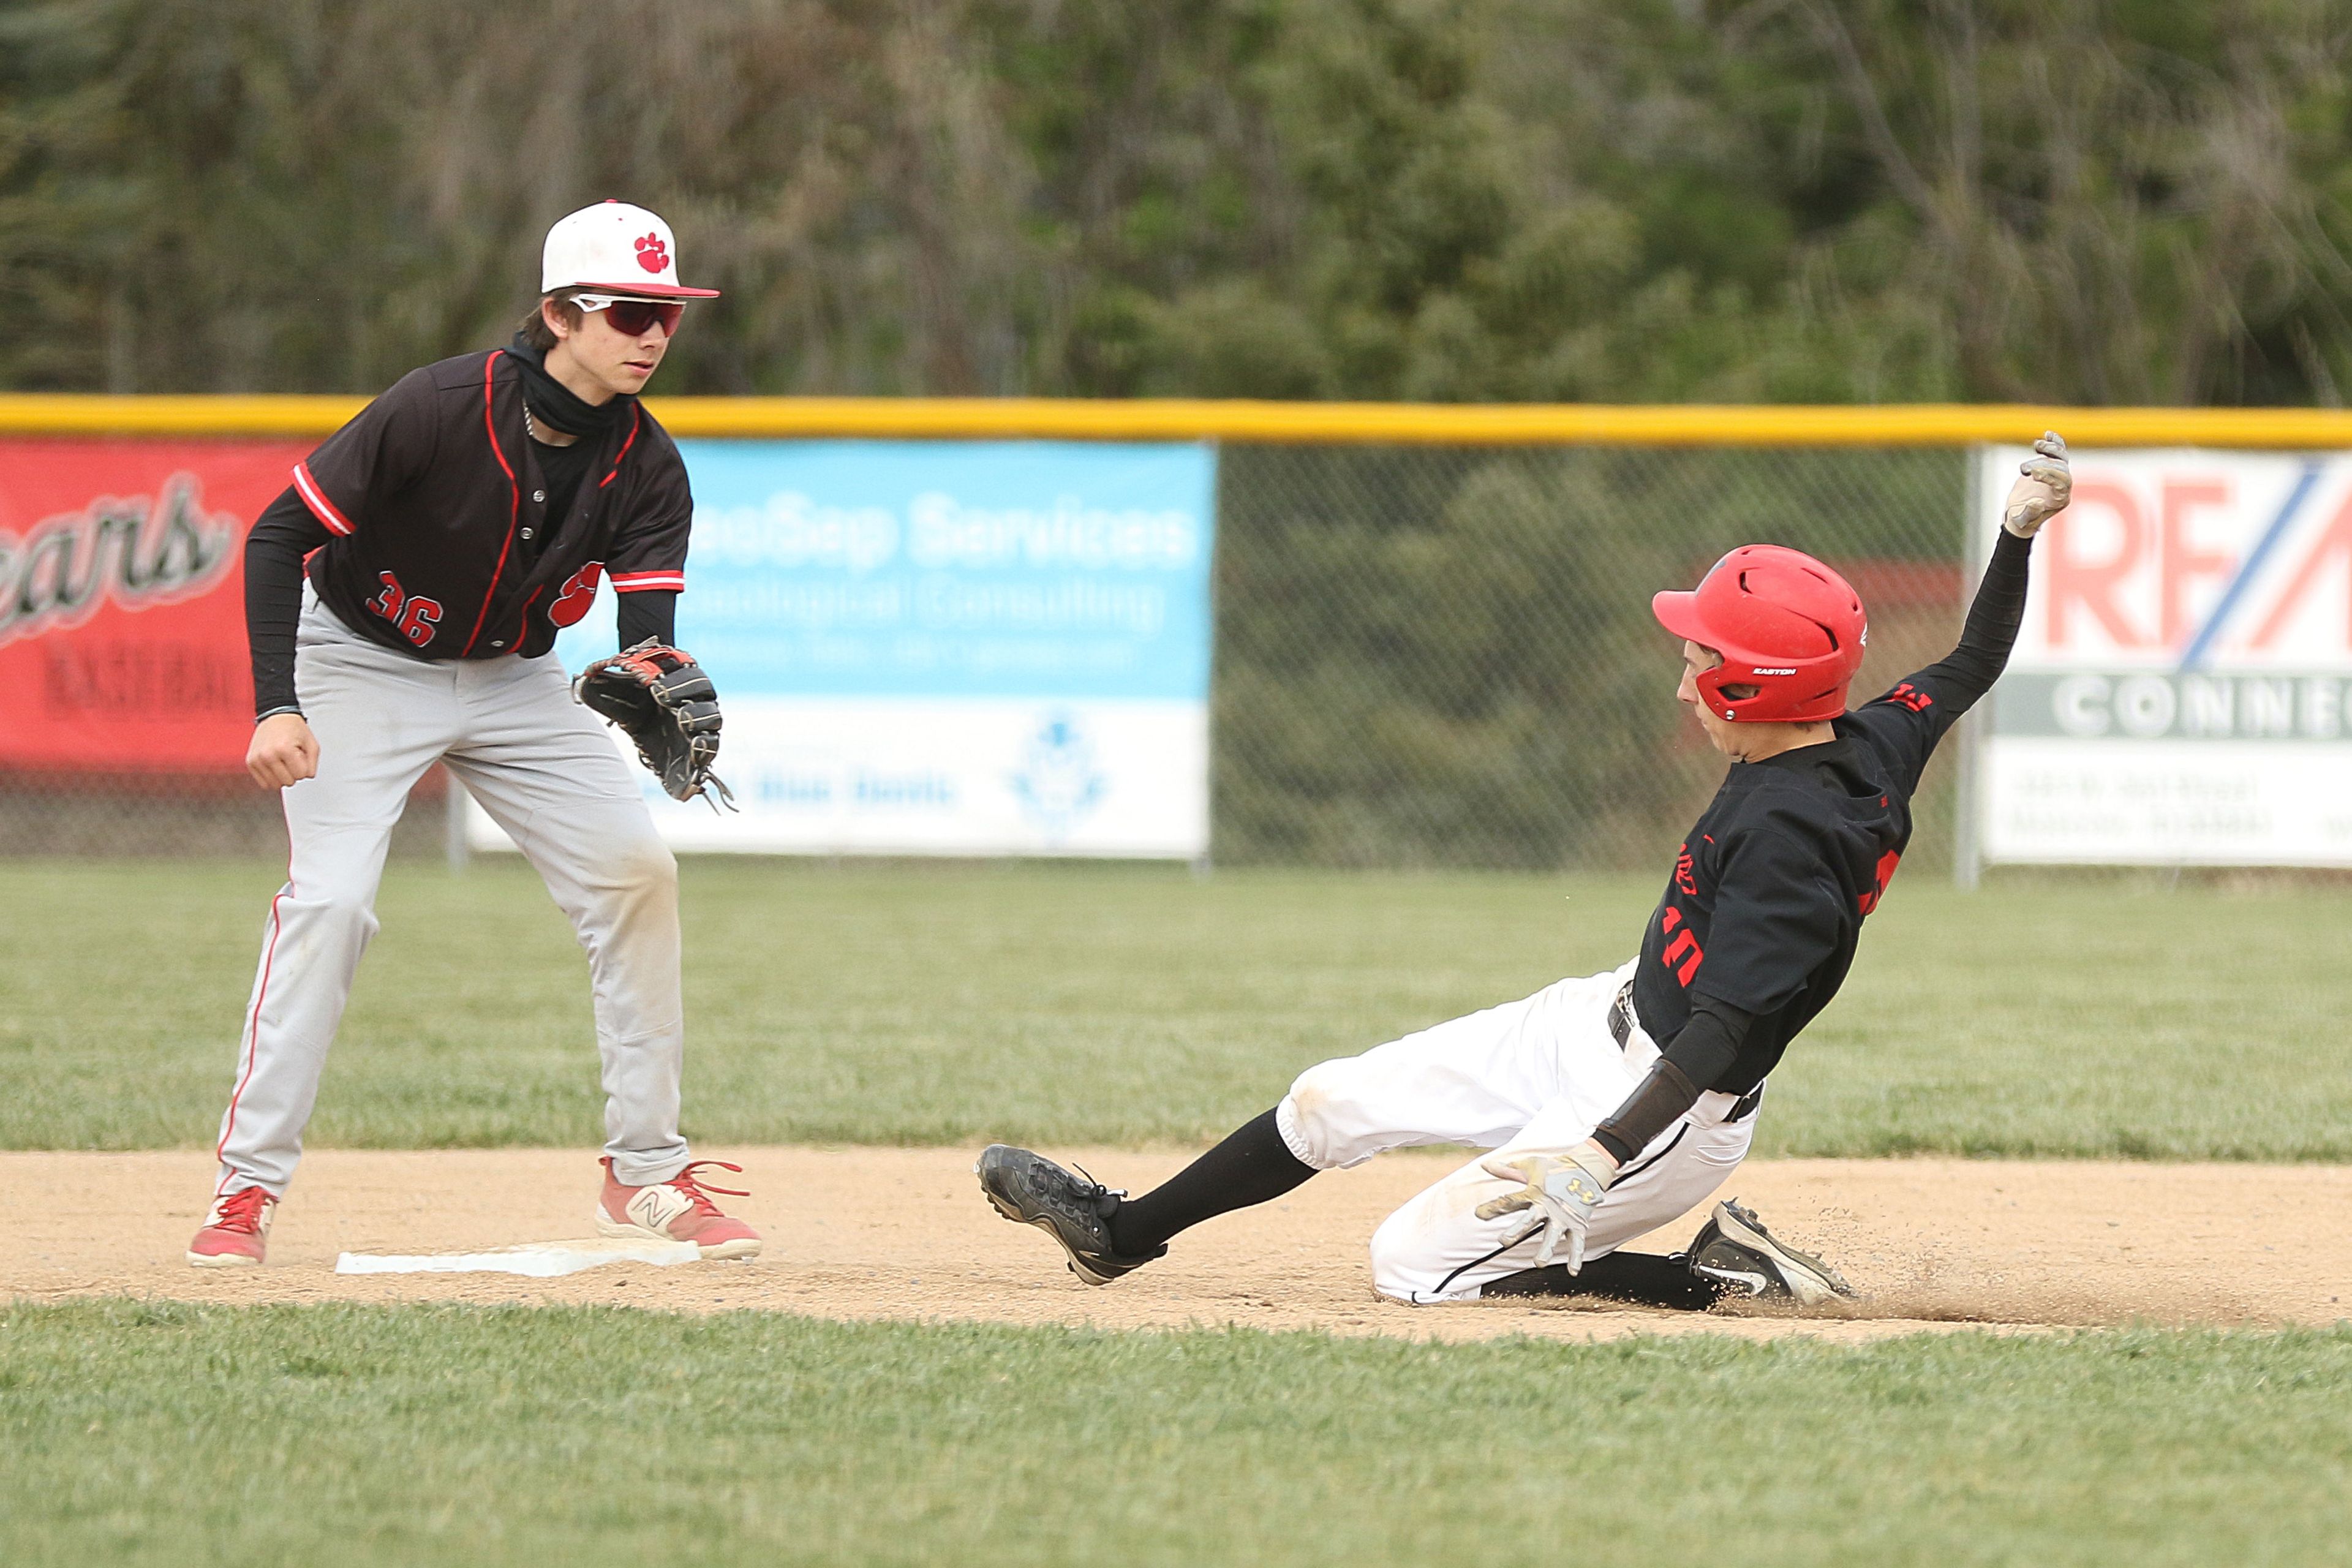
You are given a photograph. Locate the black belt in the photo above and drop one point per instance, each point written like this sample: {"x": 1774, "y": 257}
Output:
{"x": 1622, "y": 1024}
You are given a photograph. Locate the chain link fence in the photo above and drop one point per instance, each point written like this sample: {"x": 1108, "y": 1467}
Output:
{"x": 1446, "y": 656}
{"x": 210, "y": 816}
{"x": 1425, "y": 656}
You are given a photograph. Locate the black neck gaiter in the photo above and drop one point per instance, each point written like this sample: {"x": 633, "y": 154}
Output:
{"x": 555, "y": 406}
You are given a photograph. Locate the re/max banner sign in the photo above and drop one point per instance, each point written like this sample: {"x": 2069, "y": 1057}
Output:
{"x": 2190, "y": 560}
{"x": 2182, "y": 688}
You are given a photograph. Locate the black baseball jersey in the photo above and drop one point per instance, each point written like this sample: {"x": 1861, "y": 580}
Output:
{"x": 443, "y": 542}
{"x": 1769, "y": 892}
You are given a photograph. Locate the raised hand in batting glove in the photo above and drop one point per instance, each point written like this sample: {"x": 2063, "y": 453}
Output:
{"x": 1565, "y": 1184}
{"x": 2046, "y": 484}
{"x": 668, "y": 706}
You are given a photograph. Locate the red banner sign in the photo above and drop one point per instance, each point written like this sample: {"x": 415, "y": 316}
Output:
{"x": 122, "y": 601}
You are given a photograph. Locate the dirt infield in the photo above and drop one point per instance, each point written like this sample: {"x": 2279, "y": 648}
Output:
{"x": 904, "y": 1234}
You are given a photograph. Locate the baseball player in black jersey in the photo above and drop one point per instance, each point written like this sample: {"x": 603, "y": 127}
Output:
{"x": 1616, "y": 1104}
{"x": 401, "y": 598}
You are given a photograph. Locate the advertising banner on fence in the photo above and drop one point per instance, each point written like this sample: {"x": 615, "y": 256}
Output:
{"x": 121, "y": 602}
{"x": 965, "y": 648}
{"x": 2179, "y": 692}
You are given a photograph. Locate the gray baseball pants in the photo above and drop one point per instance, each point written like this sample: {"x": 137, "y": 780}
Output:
{"x": 548, "y": 772}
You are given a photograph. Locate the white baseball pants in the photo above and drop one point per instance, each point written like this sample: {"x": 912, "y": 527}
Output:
{"x": 1535, "y": 1074}
{"x": 548, "y": 770}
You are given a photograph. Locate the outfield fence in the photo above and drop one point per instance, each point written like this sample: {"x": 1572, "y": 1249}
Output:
{"x": 1433, "y": 638}
{"x": 1435, "y": 656}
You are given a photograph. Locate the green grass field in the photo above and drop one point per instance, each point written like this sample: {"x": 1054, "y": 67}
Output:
{"x": 364, "y": 1437}
{"x": 1074, "y": 1003}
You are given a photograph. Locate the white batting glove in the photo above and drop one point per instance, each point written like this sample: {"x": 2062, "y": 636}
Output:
{"x": 1566, "y": 1185}
{"x": 2043, "y": 492}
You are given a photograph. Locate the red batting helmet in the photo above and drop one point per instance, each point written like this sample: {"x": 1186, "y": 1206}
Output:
{"x": 1784, "y": 624}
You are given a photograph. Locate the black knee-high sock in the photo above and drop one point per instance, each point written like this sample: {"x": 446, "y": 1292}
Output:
{"x": 1252, "y": 1165}
{"x": 1640, "y": 1277}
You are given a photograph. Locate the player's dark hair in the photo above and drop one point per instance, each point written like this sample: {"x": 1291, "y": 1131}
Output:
{"x": 534, "y": 328}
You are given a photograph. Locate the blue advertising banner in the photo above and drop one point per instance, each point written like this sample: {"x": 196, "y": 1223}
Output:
{"x": 870, "y": 569}
{"x": 959, "y": 647}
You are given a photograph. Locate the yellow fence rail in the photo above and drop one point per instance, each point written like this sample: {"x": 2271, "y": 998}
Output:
{"x": 1184, "y": 419}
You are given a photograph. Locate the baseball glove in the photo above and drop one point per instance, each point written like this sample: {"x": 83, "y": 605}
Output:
{"x": 668, "y": 706}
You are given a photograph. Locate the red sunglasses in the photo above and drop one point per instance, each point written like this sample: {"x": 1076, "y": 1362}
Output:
{"x": 631, "y": 317}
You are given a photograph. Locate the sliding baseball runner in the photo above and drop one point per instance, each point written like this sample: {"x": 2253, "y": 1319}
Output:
{"x": 1616, "y": 1104}
{"x": 401, "y": 598}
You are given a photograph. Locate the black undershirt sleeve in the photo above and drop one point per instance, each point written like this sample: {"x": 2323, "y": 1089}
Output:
{"x": 650, "y": 613}
{"x": 283, "y": 536}
{"x": 1711, "y": 1042}
{"x": 1969, "y": 671}
{"x": 1701, "y": 1054}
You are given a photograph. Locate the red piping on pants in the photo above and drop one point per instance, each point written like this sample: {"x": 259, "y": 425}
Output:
{"x": 253, "y": 1028}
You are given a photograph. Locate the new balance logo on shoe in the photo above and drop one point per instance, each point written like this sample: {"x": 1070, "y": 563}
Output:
{"x": 678, "y": 1209}
{"x": 654, "y": 1207}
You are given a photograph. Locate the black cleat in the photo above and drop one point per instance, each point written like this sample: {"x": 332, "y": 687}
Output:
{"x": 1734, "y": 1248}
{"x": 1074, "y": 1210}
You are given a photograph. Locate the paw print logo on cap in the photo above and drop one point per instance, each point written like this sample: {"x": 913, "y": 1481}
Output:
{"x": 652, "y": 254}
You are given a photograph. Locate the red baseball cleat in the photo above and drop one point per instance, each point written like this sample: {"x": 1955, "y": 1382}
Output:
{"x": 235, "y": 1233}
{"x": 677, "y": 1210}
